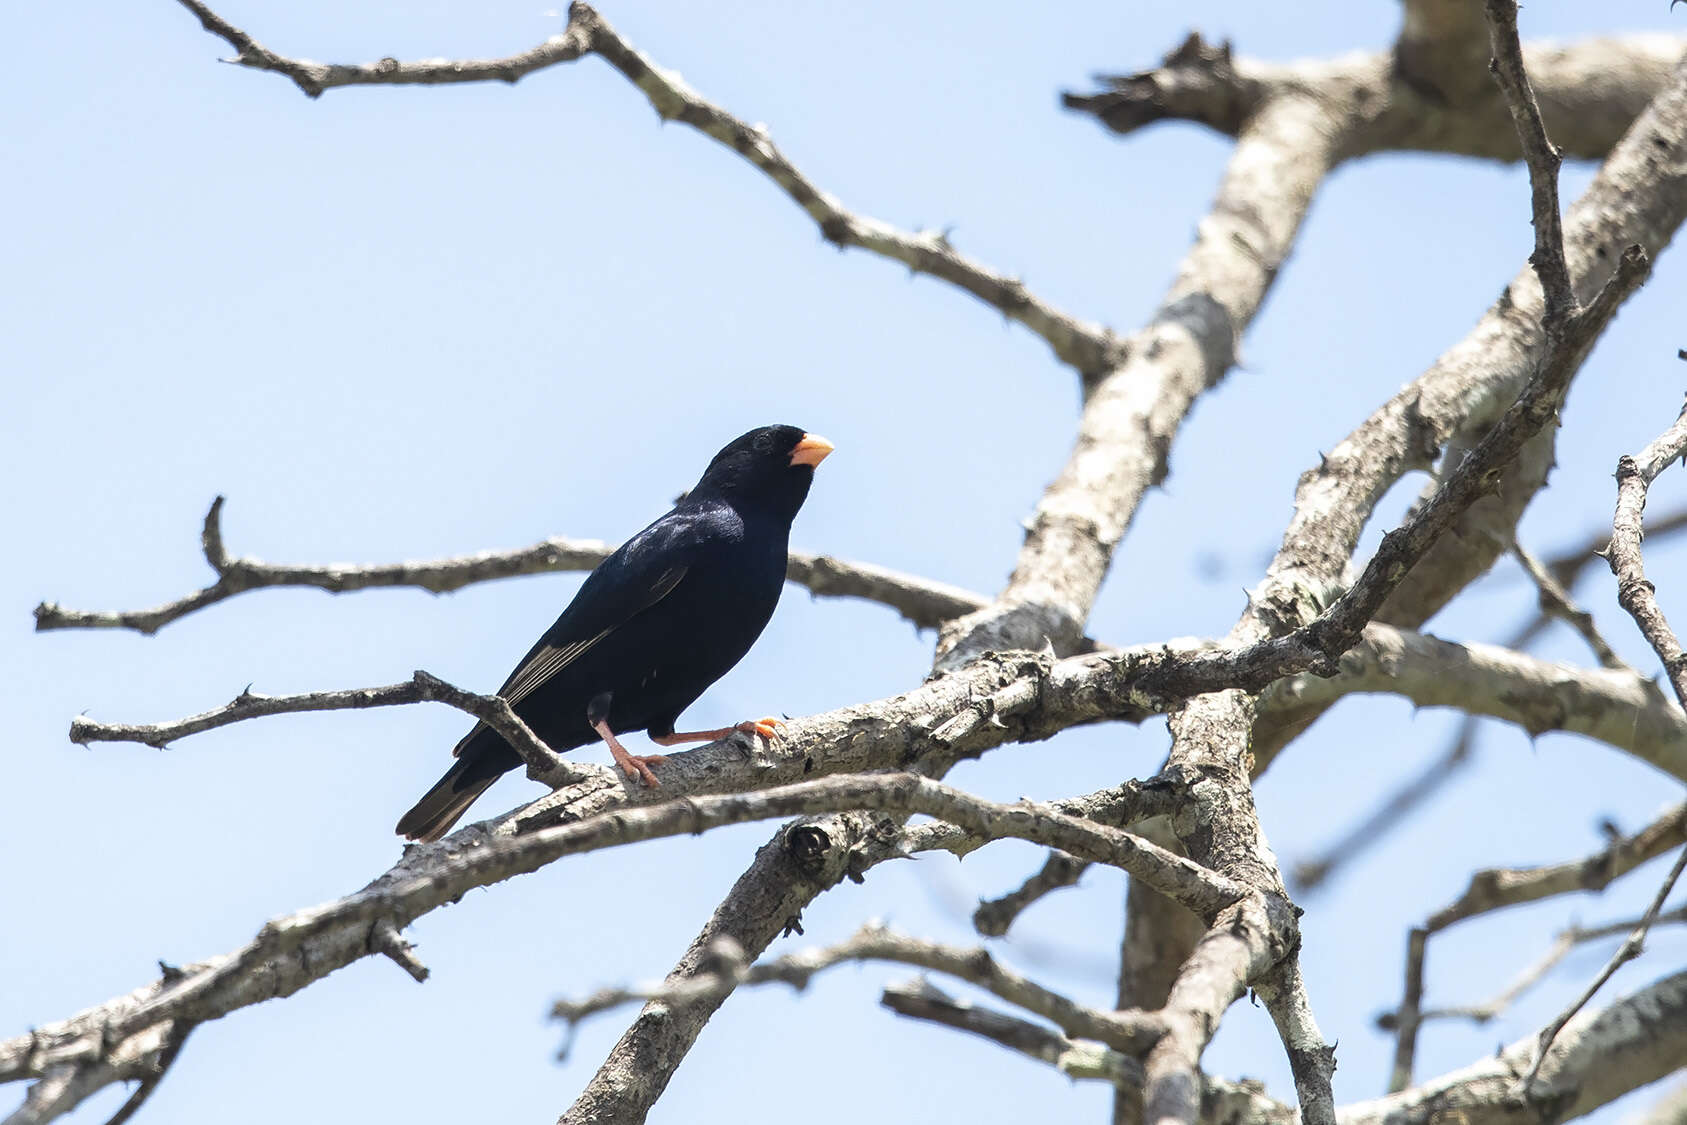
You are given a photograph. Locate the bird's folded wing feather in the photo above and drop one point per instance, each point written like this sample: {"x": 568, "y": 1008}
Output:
{"x": 640, "y": 573}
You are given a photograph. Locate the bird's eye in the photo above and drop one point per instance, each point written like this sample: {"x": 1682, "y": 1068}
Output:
{"x": 763, "y": 443}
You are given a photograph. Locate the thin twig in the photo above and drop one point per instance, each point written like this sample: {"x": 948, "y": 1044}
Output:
{"x": 1087, "y": 347}
{"x": 1566, "y": 940}
{"x": 1555, "y": 601}
{"x": 1498, "y": 888}
{"x": 922, "y": 1000}
{"x": 924, "y": 602}
{"x": 1631, "y": 948}
{"x": 422, "y": 687}
{"x": 1543, "y": 159}
{"x": 1634, "y": 592}
{"x": 1130, "y": 1032}
{"x": 994, "y": 916}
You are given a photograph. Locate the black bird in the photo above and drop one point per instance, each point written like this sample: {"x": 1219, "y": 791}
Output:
{"x": 659, "y": 620}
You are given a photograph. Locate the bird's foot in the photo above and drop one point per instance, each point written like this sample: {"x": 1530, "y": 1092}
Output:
{"x": 633, "y": 765}
{"x": 638, "y": 765}
{"x": 766, "y": 728}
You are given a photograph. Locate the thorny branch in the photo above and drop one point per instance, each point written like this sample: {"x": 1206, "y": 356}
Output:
{"x": 1087, "y": 347}
{"x": 924, "y": 602}
{"x": 1293, "y": 125}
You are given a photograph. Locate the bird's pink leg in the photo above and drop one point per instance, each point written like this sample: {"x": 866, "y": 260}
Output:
{"x": 764, "y": 728}
{"x": 633, "y": 765}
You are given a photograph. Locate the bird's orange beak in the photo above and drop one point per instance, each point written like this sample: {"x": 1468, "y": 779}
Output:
{"x": 811, "y": 450}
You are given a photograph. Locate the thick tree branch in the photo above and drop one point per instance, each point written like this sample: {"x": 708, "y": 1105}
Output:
{"x": 1407, "y": 100}
{"x": 1090, "y": 348}
{"x": 1133, "y": 413}
{"x": 1638, "y": 197}
{"x": 1442, "y": 50}
{"x": 925, "y": 603}
{"x": 1242, "y": 946}
{"x": 1213, "y": 733}
{"x": 78, "y": 1056}
{"x": 1620, "y": 709}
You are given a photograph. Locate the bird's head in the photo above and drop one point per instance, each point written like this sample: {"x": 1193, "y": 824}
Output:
{"x": 768, "y": 471}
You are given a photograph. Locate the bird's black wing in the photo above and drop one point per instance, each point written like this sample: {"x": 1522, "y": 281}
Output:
{"x": 641, "y": 572}
{"x": 557, "y": 649}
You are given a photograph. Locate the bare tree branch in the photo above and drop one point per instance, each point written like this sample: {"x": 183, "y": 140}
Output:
{"x": 104, "y": 1044}
{"x": 165, "y": 1060}
{"x": 1137, "y": 395}
{"x": 994, "y": 916}
{"x": 1129, "y": 1032}
{"x": 1212, "y": 733}
{"x": 1640, "y": 194}
{"x": 1159, "y": 936}
{"x": 1090, "y": 348}
{"x": 1637, "y": 595}
{"x": 1566, "y": 941}
{"x": 1133, "y": 413}
{"x": 1596, "y": 1059}
{"x": 1442, "y": 50}
{"x": 1589, "y": 91}
{"x": 922, "y": 1000}
{"x": 925, "y": 603}
{"x": 1628, "y": 951}
{"x": 1243, "y": 945}
{"x": 1497, "y": 888}
{"x": 1545, "y": 700}
{"x": 1543, "y": 160}
{"x": 1555, "y": 601}
{"x": 1567, "y": 566}
{"x": 1312, "y": 1061}
{"x": 1620, "y": 709}
{"x": 543, "y": 763}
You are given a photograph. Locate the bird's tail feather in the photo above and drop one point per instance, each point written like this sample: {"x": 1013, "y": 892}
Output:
{"x": 441, "y": 806}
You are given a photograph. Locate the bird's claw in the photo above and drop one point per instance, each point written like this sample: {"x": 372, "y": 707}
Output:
{"x": 766, "y": 728}
{"x": 638, "y": 765}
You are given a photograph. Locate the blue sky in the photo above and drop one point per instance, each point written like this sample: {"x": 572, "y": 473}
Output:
{"x": 407, "y": 323}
